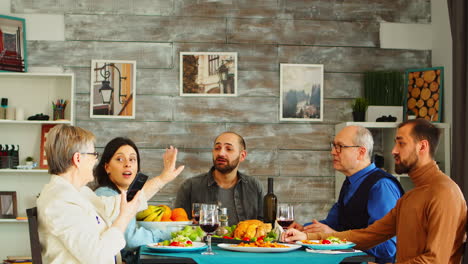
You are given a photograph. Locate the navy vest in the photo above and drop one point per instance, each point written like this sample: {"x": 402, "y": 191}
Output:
{"x": 354, "y": 214}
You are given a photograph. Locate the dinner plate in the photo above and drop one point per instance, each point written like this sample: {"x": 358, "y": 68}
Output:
{"x": 327, "y": 246}
{"x": 232, "y": 247}
{"x": 196, "y": 246}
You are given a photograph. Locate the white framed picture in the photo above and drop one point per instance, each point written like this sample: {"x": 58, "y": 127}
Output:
{"x": 301, "y": 92}
{"x": 208, "y": 74}
{"x": 113, "y": 86}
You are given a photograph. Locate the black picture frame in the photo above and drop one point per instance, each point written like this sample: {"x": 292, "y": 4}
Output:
{"x": 8, "y": 205}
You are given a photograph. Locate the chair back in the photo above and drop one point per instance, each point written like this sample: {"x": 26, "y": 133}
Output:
{"x": 34, "y": 235}
{"x": 465, "y": 245}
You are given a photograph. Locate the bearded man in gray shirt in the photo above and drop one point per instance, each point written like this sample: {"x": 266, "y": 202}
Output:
{"x": 242, "y": 195}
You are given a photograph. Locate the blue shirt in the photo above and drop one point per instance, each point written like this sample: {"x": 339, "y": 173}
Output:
{"x": 135, "y": 235}
{"x": 382, "y": 198}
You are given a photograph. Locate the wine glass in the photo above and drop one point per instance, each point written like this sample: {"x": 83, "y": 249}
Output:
{"x": 209, "y": 223}
{"x": 196, "y": 212}
{"x": 285, "y": 215}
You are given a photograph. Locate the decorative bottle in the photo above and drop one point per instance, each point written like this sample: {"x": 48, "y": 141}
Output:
{"x": 269, "y": 204}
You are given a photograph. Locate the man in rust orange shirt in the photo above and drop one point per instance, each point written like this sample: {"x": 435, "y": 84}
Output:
{"x": 429, "y": 220}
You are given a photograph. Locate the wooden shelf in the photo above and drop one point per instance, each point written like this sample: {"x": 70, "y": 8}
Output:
{"x": 27, "y": 171}
{"x": 32, "y": 122}
{"x": 13, "y": 221}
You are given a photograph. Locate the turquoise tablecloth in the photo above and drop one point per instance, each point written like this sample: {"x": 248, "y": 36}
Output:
{"x": 228, "y": 257}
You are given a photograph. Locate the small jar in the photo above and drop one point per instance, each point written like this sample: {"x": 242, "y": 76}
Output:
{"x": 223, "y": 222}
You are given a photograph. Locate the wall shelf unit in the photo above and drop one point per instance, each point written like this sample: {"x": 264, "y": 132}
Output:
{"x": 388, "y": 129}
{"x": 34, "y": 94}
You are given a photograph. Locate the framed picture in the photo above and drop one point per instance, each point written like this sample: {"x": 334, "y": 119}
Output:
{"x": 43, "y": 157}
{"x": 8, "y": 206}
{"x": 13, "y": 44}
{"x": 208, "y": 74}
{"x": 301, "y": 92}
{"x": 113, "y": 86}
{"x": 424, "y": 93}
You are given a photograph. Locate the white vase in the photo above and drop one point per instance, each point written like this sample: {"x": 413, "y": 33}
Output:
{"x": 376, "y": 111}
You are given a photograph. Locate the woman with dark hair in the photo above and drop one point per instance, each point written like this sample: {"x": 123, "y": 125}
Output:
{"x": 103, "y": 177}
{"x": 115, "y": 171}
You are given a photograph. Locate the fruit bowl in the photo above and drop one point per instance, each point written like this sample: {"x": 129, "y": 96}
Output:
{"x": 166, "y": 227}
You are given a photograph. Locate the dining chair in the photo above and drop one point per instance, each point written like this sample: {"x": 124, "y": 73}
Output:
{"x": 465, "y": 245}
{"x": 34, "y": 235}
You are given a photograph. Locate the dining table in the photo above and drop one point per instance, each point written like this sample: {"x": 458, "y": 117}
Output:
{"x": 147, "y": 255}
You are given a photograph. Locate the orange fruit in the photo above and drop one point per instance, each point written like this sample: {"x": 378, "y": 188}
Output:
{"x": 180, "y": 218}
{"x": 167, "y": 213}
{"x": 179, "y": 214}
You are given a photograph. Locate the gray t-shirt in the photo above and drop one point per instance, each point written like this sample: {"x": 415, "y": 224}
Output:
{"x": 226, "y": 199}
{"x": 248, "y": 195}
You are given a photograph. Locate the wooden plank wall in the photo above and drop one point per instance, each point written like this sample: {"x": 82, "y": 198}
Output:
{"x": 341, "y": 35}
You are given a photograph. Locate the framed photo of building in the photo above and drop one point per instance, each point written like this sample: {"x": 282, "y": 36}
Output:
{"x": 113, "y": 86}
{"x": 13, "y": 44}
{"x": 208, "y": 74}
{"x": 43, "y": 156}
{"x": 424, "y": 93}
{"x": 8, "y": 205}
{"x": 301, "y": 92}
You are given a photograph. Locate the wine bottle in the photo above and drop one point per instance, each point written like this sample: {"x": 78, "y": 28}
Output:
{"x": 269, "y": 204}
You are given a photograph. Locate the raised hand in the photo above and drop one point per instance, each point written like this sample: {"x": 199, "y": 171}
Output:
{"x": 128, "y": 211}
{"x": 170, "y": 172}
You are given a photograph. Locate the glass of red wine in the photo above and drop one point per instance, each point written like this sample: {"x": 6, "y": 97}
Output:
{"x": 209, "y": 223}
{"x": 285, "y": 215}
{"x": 196, "y": 212}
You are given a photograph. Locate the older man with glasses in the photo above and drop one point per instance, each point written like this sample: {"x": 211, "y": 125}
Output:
{"x": 367, "y": 194}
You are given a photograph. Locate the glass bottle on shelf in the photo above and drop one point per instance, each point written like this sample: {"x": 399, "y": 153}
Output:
{"x": 223, "y": 222}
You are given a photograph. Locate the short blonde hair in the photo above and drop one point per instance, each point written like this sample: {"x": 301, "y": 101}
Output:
{"x": 62, "y": 142}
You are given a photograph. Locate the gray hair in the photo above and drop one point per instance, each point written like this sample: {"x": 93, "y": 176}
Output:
{"x": 364, "y": 138}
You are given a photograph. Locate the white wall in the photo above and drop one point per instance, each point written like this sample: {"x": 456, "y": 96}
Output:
{"x": 38, "y": 27}
{"x": 435, "y": 36}
{"x": 442, "y": 51}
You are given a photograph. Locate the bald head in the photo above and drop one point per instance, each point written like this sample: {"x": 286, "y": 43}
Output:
{"x": 241, "y": 140}
{"x": 360, "y": 136}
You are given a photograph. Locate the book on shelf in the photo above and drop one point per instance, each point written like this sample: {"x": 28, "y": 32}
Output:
{"x": 18, "y": 259}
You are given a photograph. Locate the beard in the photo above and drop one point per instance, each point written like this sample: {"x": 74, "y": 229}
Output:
{"x": 229, "y": 167}
{"x": 405, "y": 166}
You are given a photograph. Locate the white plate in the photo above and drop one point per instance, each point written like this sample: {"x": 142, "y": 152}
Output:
{"x": 327, "y": 246}
{"x": 196, "y": 246}
{"x": 170, "y": 226}
{"x": 232, "y": 247}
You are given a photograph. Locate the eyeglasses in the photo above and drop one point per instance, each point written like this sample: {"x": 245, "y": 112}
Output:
{"x": 95, "y": 154}
{"x": 339, "y": 147}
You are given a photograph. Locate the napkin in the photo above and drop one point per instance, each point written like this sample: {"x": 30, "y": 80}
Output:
{"x": 328, "y": 251}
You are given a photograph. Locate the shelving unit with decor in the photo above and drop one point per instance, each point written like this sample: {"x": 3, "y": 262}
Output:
{"x": 388, "y": 130}
{"x": 34, "y": 94}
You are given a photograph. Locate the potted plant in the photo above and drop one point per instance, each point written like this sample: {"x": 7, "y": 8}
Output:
{"x": 29, "y": 161}
{"x": 359, "y": 109}
{"x": 384, "y": 93}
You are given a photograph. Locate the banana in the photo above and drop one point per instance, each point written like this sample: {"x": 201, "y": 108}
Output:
{"x": 148, "y": 211}
{"x": 153, "y": 215}
{"x": 160, "y": 214}
{"x": 150, "y": 217}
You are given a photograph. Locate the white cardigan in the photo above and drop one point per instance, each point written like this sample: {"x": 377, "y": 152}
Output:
{"x": 74, "y": 225}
